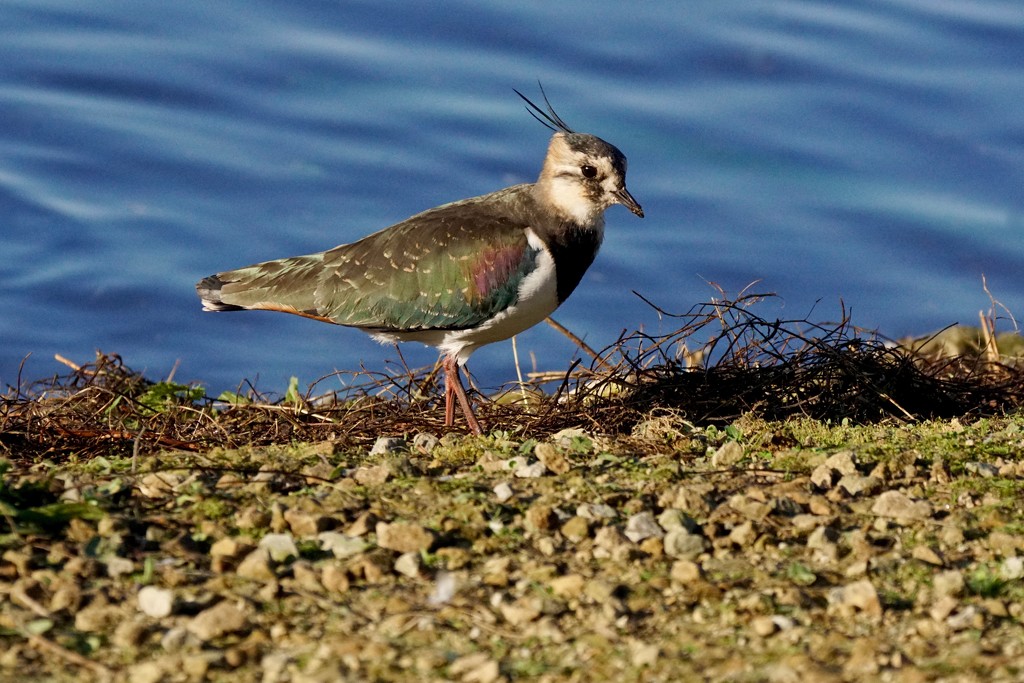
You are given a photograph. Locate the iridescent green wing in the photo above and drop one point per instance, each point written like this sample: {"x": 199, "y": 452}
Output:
{"x": 442, "y": 269}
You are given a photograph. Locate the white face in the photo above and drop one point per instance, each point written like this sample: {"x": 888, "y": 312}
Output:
{"x": 578, "y": 185}
{"x": 571, "y": 198}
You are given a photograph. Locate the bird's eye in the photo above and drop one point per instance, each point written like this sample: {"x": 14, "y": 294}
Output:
{"x": 588, "y": 171}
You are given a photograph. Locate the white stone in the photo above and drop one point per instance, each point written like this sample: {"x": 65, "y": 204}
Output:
{"x": 155, "y": 602}
{"x": 280, "y": 546}
{"x": 643, "y": 525}
{"x": 503, "y": 492}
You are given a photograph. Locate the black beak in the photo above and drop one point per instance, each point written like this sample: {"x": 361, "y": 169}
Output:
{"x": 626, "y": 199}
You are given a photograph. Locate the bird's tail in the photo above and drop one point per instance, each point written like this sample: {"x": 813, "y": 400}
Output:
{"x": 287, "y": 285}
{"x": 209, "y": 289}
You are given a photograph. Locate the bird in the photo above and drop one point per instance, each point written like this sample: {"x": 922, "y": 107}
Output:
{"x": 460, "y": 275}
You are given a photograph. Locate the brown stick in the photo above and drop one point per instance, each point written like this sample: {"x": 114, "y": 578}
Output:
{"x": 578, "y": 342}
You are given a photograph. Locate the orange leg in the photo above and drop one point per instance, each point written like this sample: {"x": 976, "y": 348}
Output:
{"x": 453, "y": 388}
{"x": 449, "y": 395}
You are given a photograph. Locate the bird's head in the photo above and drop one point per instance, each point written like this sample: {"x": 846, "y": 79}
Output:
{"x": 582, "y": 175}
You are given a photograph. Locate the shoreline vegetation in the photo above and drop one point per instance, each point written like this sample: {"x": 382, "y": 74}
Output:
{"x": 780, "y": 500}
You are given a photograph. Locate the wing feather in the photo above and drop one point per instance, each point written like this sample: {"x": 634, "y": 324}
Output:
{"x": 452, "y": 267}
{"x": 436, "y": 272}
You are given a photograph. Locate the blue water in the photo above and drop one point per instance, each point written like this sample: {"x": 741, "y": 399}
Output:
{"x": 866, "y": 152}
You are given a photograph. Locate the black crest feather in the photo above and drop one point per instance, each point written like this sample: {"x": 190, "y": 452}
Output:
{"x": 549, "y": 119}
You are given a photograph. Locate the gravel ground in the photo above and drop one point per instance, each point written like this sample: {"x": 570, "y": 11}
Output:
{"x": 788, "y": 551}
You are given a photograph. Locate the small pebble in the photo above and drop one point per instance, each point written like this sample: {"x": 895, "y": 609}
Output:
{"x": 404, "y": 537}
{"x": 805, "y": 523}
{"x": 425, "y": 442}
{"x": 857, "y": 485}
{"x": 643, "y": 525}
{"x": 997, "y": 608}
{"x": 445, "y": 586}
{"x": 155, "y": 602}
{"x": 341, "y": 545}
{"x": 643, "y": 654}
{"x": 949, "y": 583}
{"x": 824, "y": 539}
{"x": 842, "y": 462}
{"x": 1012, "y": 568}
{"x": 860, "y": 595}
{"x": 408, "y": 564}
{"x": 552, "y": 458}
{"x": 943, "y": 607}
{"x": 119, "y": 566}
{"x": 362, "y": 525}
{"x": 835, "y": 467}
{"x": 898, "y": 505}
{"x": 685, "y": 571}
{"x": 967, "y": 618}
{"x": 750, "y": 506}
{"x": 388, "y": 444}
{"x": 763, "y": 626}
{"x": 503, "y": 492}
{"x": 982, "y": 469}
{"x": 174, "y": 638}
{"x": 728, "y": 454}
{"x": 224, "y": 617}
{"x": 743, "y": 534}
{"x": 576, "y": 529}
{"x": 129, "y": 633}
{"x": 372, "y": 475}
{"x": 257, "y": 566}
{"x": 596, "y": 511}
{"x": 568, "y": 586}
{"x": 927, "y": 555}
{"x": 682, "y": 544}
{"x": 532, "y": 471}
{"x": 280, "y": 546}
{"x": 672, "y": 519}
{"x": 98, "y": 618}
{"x": 301, "y": 523}
{"x": 228, "y": 546}
{"x": 512, "y": 464}
{"x": 475, "y": 668}
{"x": 147, "y": 672}
{"x": 522, "y": 611}
{"x": 335, "y": 579}
{"x": 783, "y": 623}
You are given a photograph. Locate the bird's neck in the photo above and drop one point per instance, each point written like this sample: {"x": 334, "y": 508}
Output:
{"x": 574, "y": 249}
{"x": 568, "y": 200}
{"x": 572, "y": 242}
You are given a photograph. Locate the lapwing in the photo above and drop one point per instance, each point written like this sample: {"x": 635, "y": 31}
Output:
{"x": 460, "y": 275}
